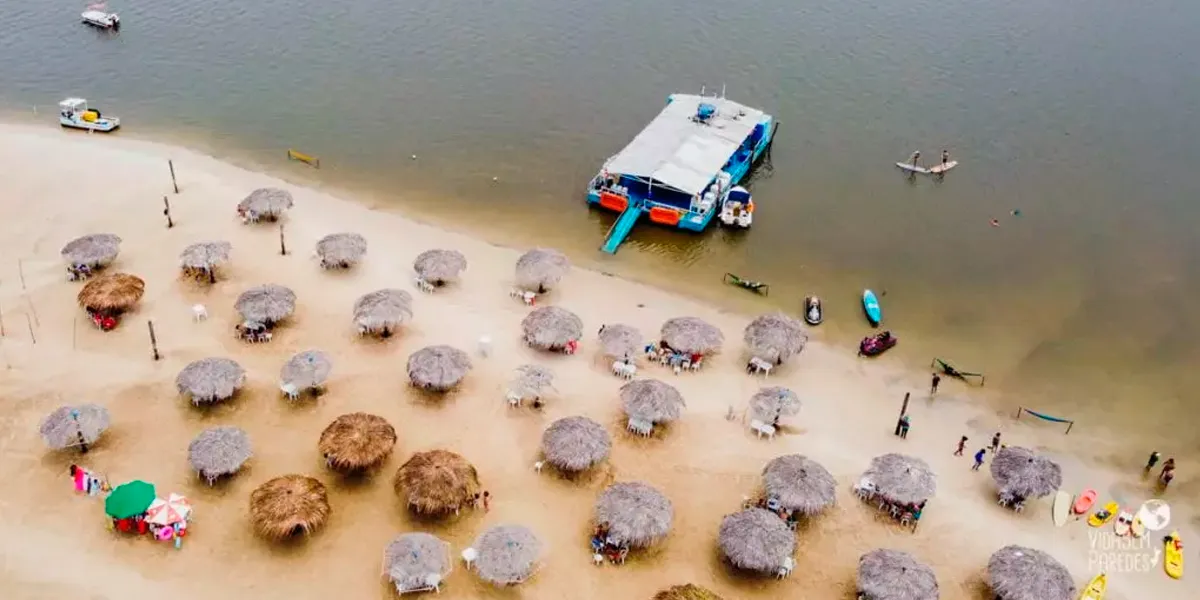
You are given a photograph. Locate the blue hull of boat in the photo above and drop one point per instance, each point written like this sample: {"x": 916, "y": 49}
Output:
{"x": 871, "y": 308}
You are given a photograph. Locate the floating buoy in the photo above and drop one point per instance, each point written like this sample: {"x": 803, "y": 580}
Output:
{"x": 414, "y": 157}
{"x": 495, "y": 179}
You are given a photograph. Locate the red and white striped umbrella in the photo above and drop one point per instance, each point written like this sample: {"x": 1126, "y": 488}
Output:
{"x": 175, "y": 509}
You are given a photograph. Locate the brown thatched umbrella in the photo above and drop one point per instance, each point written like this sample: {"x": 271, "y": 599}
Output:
{"x": 634, "y": 513}
{"x": 901, "y": 479}
{"x": 621, "y": 341}
{"x": 551, "y": 328}
{"x": 219, "y": 451}
{"x": 74, "y": 426}
{"x": 687, "y": 591}
{"x": 341, "y": 250}
{"x": 895, "y": 575}
{"x": 266, "y": 304}
{"x": 575, "y": 443}
{"x": 756, "y": 539}
{"x": 439, "y": 267}
{"x": 438, "y": 368}
{"x": 531, "y": 380}
{"x": 356, "y": 441}
{"x": 1023, "y": 474}
{"x": 413, "y": 561}
{"x": 1020, "y": 573}
{"x": 800, "y": 484}
{"x": 201, "y": 260}
{"x": 541, "y": 269}
{"x": 112, "y": 293}
{"x": 508, "y": 554}
{"x": 652, "y": 400}
{"x": 306, "y": 370}
{"x": 288, "y": 506}
{"x": 94, "y": 251}
{"x": 382, "y": 311}
{"x": 265, "y": 204}
{"x": 771, "y": 403}
{"x": 775, "y": 337}
{"x": 692, "y": 336}
{"x": 436, "y": 482}
{"x": 210, "y": 380}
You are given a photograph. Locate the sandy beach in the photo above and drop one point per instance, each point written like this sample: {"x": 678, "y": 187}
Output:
{"x": 53, "y": 543}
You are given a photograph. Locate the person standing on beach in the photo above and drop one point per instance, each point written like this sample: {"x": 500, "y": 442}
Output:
{"x": 979, "y": 459}
{"x": 996, "y": 442}
{"x": 933, "y": 383}
{"x": 904, "y": 424}
{"x": 962, "y": 444}
{"x": 1154, "y": 456}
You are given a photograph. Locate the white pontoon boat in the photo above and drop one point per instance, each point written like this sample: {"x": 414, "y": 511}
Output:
{"x": 101, "y": 19}
{"x": 74, "y": 112}
{"x": 738, "y": 208}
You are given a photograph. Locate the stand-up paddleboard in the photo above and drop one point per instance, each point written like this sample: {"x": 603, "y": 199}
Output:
{"x": 1084, "y": 502}
{"x": 1173, "y": 561}
{"x": 871, "y": 308}
{"x": 1137, "y": 528}
{"x": 1096, "y": 588}
{"x": 1062, "y": 508}
{"x": 1123, "y": 524}
{"x": 1101, "y": 517}
{"x": 940, "y": 168}
{"x": 913, "y": 168}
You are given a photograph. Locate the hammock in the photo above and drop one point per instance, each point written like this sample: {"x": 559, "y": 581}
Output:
{"x": 754, "y": 286}
{"x": 950, "y": 371}
{"x": 1046, "y": 417}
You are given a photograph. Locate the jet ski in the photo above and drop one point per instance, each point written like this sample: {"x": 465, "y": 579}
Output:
{"x": 813, "y": 314}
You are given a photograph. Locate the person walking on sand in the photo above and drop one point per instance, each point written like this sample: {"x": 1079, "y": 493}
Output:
{"x": 904, "y": 424}
{"x": 1154, "y": 456}
{"x": 1168, "y": 471}
{"x": 487, "y": 501}
{"x": 962, "y": 444}
{"x": 933, "y": 383}
{"x": 979, "y": 459}
{"x": 996, "y": 442}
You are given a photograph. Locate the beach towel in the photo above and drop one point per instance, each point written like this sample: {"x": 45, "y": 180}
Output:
{"x": 80, "y": 479}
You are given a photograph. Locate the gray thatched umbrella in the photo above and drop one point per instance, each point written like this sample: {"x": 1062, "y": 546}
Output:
{"x": 575, "y": 443}
{"x": 775, "y": 337}
{"x": 541, "y": 269}
{"x": 219, "y": 451}
{"x": 531, "y": 380}
{"x": 266, "y": 304}
{"x": 800, "y": 484}
{"x": 413, "y": 560}
{"x": 382, "y": 311}
{"x": 438, "y": 368}
{"x": 769, "y": 404}
{"x": 95, "y": 250}
{"x": 306, "y": 370}
{"x": 210, "y": 380}
{"x": 621, "y": 341}
{"x": 1020, "y": 573}
{"x": 756, "y": 540}
{"x": 652, "y": 400}
{"x": 895, "y": 575}
{"x": 1022, "y": 473}
{"x": 692, "y": 335}
{"x": 508, "y": 554}
{"x": 439, "y": 267}
{"x": 341, "y": 250}
{"x": 551, "y": 327}
{"x": 265, "y": 204}
{"x": 901, "y": 479}
{"x": 202, "y": 259}
{"x": 74, "y": 426}
{"x": 634, "y": 513}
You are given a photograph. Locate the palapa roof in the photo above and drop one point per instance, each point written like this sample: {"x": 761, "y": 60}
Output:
{"x": 1021, "y": 573}
{"x": 205, "y": 255}
{"x": 652, "y": 400}
{"x": 306, "y": 370}
{"x": 357, "y": 441}
{"x": 289, "y": 505}
{"x": 269, "y": 202}
{"x": 541, "y": 268}
{"x": 775, "y": 337}
{"x": 895, "y": 575}
{"x": 219, "y": 451}
{"x": 549, "y": 327}
{"x": 687, "y": 591}
{"x": 507, "y": 554}
{"x": 438, "y": 368}
{"x": 112, "y": 292}
{"x": 436, "y": 482}
{"x": 530, "y": 380}
{"x": 800, "y": 483}
{"x": 266, "y": 303}
{"x": 901, "y": 478}
{"x": 575, "y": 443}
{"x": 772, "y": 402}
{"x": 70, "y": 426}
{"x": 620, "y": 341}
{"x": 412, "y": 557}
{"x": 210, "y": 380}
{"x": 338, "y": 249}
{"x": 1022, "y": 472}
{"x": 95, "y": 250}
{"x": 756, "y": 539}
{"x": 383, "y": 309}
{"x": 692, "y": 335}
{"x": 635, "y": 513}
{"x": 440, "y": 266}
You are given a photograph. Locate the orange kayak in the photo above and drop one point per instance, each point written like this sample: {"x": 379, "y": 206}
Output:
{"x": 1084, "y": 502}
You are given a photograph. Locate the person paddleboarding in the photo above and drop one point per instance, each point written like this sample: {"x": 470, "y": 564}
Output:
{"x": 916, "y": 156}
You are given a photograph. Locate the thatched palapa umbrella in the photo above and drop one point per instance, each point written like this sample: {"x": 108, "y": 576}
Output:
{"x": 775, "y": 337}
{"x": 265, "y": 204}
{"x": 895, "y": 575}
{"x": 531, "y": 380}
{"x": 413, "y": 561}
{"x": 508, "y": 554}
{"x": 634, "y": 513}
{"x": 438, "y": 368}
{"x": 901, "y": 479}
{"x": 687, "y": 591}
{"x": 436, "y": 482}
{"x": 771, "y": 403}
{"x": 756, "y": 539}
{"x": 341, "y": 250}
{"x": 1020, "y": 573}
{"x": 1023, "y": 474}
{"x": 575, "y": 443}
{"x": 288, "y": 506}
{"x": 551, "y": 328}
{"x": 219, "y": 451}
{"x": 74, "y": 426}
{"x": 356, "y": 441}
{"x": 621, "y": 341}
{"x": 692, "y": 335}
{"x": 112, "y": 293}
{"x": 95, "y": 251}
{"x": 800, "y": 484}
{"x": 210, "y": 380}
{"x": 203, "y": 259}
{"x": 541, "y": 269}
{"x": 306, "y": 370}
{"x": 439, "y": 267}
{"x": 382, "y": 311}
{"x": 266, "y": 304}
{"x": 652, "y": 400}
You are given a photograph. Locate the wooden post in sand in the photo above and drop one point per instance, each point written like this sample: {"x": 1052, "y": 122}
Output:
{"x": 21, "y": 272}
{"x": 30, "y": 324}
{"x": 74, "y": 322}
{"x": 167, "y": 212}
{"x": 153, "y": 340}
{"x": 2, "y": 334}
{"x": 903, "y": 411}
{"x": 171, "y": 165}
{"x": 282, "y": 243}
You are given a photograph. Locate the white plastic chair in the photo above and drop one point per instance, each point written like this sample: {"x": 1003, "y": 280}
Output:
{"x": 290, "y": 391}
{"x": 469, "y": 555}
{"x": 199, "y": 312}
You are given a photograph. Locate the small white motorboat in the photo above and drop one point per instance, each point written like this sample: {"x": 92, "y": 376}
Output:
{"x": 101, "y": 19}
{"x": 74, "y": 112}
{"x": 738, "y": 208}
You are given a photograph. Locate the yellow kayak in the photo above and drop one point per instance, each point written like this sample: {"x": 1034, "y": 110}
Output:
{"x": 1104, "y": 515}
{"x": 1173, "y": 555}
{"x": 1095, "y": 589}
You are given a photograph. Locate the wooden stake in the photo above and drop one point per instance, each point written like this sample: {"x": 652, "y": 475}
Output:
{"x": 171, "y": 164}
{"x": 167, "y": 212}
{"x": 21, "y": 271}
{"x": 903, "y": 410}
{"x": 153, "y": 340}
{"x": 282, "y": 243}
{"x": 30, "y": 324}
{"x": 36, "y": 320}
{"x": 74, "y": 321}
{"x": 2, "y": 333}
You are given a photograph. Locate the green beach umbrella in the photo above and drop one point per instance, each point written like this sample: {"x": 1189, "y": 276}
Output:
{"x": 129, "y": 499}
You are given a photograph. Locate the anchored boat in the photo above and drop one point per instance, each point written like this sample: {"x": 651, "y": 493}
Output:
{"x": 738, "y": 208}
{"x": 74, "y": 112}
{"x": 682, "y": 169}
{"x": 96, "y": 17}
